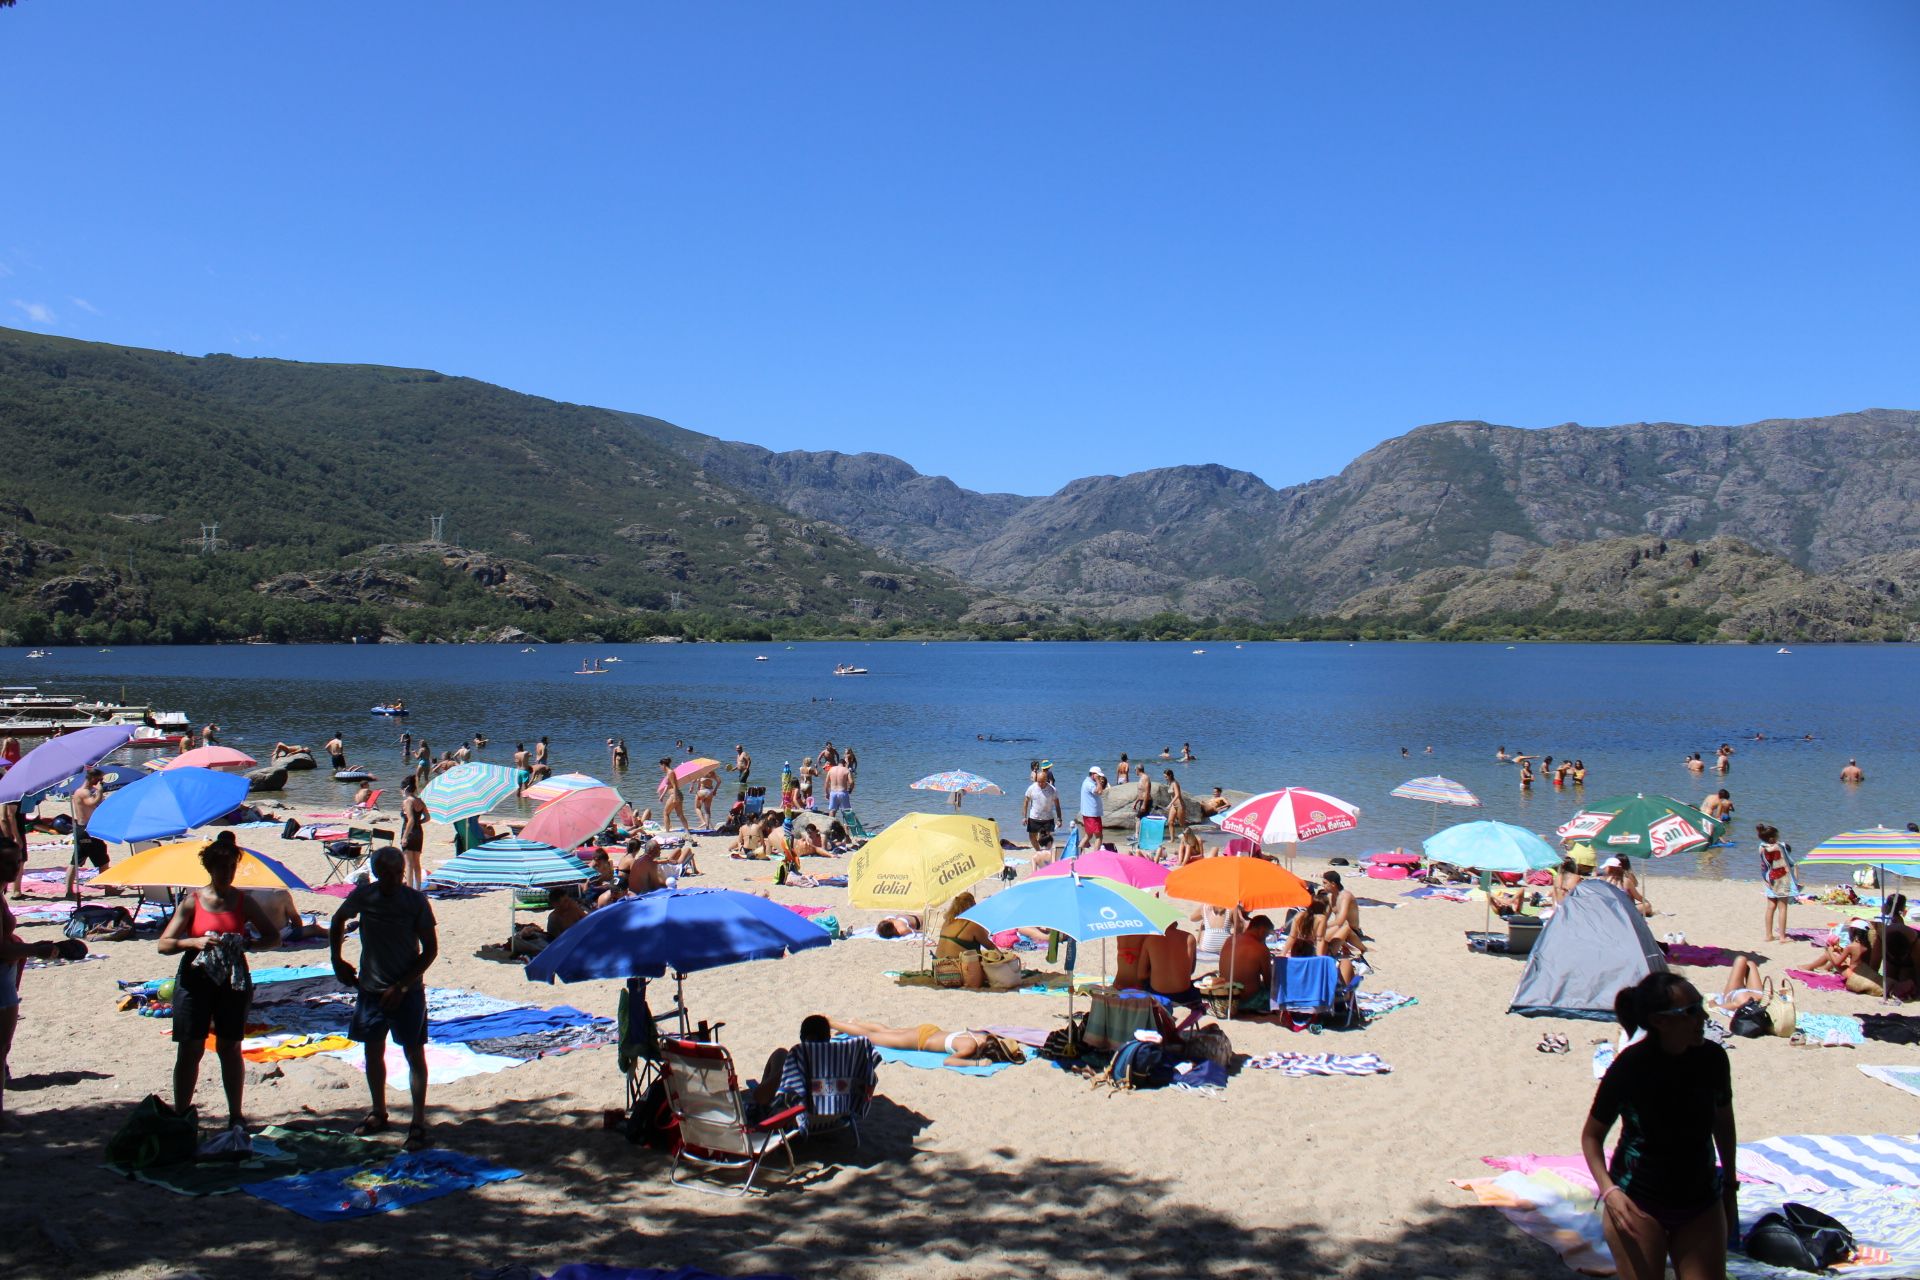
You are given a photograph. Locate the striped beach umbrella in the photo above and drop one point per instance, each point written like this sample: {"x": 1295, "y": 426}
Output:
{"x": 1437, "y": 791}
{"x": 548, "y": 789}
{"x": 468, "y": 790}
{"x": 1897, "y": 851}
{"x": 512, "y": 861}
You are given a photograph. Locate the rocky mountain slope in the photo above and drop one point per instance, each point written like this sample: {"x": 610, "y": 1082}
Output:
{"x": 1203, "y": 540}
{"x": 121, "y": 455}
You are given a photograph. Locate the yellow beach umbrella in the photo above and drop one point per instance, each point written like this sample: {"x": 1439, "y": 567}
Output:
{"x": 922, "y": 860}
{"x": 177, "y": 866}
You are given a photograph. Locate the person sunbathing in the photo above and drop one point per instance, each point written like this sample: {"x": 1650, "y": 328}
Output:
{"x": 1169, "y": 963}
{"x": 1340, "y": 935}
{"x": 751, "y": 843}
{"x": 961, "y": 1047}
{"x": 1852, "y": 957}
{"x": 903, "y": 925}
{"x": 280, "y": 908}
{"x": 643, "y": 867}
{"x": 1743, "y": 985}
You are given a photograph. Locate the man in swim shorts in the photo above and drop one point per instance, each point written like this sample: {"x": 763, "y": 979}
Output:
{"x": 86, "y": 799}
{"x": 839, "y": 788}
{"x": 1093, "y": 805}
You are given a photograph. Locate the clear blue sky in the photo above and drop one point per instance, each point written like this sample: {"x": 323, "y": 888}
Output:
{"x": 1011, "y": 243}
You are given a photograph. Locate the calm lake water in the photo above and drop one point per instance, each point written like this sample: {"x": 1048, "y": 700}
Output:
{"x": 1329, "y": 716}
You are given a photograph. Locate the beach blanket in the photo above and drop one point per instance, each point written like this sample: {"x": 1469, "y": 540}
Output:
{"x": 284, "y": 1048}
{"x": 60, "y": 964}
{"x": 277, "y": 1152}
{"x": 1552, "y": 1210}
{"x": 1842, "y": 1162}
{"x": 1444, "y": 892}
{"x": 1830, "y": 1030}
{"x": 333, "y": 1194}
{"x": 1033, "y": 1037}
{"x": 1906, "y": 1079}
{"x": 1305, "y": 982}
{"x": 1885, "y": 1226}
{"x": 1377, "y": 1004}
{"x": 871, "y": 934}
{"x": 1687, "y": 953}
{"x": 1204, "y": 1077}
{"x": 290, "y": 973}
{"x": 931, "y": 1061}
{"x": 1818, "y": 981}
{"x": 506, "y": 1022}
{"x": 445, "y": 1062}
{"x": 1890, "y": 1028}
{"x": 1321, "y": 1064}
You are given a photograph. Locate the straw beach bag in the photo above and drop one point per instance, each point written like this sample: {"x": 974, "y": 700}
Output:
{"x": 1781, "y": 1009}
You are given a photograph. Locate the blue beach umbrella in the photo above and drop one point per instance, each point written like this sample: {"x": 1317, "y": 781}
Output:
{"x": 1491, "y": 846}
{"x": 53, "y": 762}
{"x": 169, "y": 803}
{"x": 684, "y": 930}
{"x": 468, "y": 790}
{"x": 1081, "y": 907}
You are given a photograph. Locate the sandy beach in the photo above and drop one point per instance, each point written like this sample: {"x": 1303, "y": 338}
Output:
{"x": 1028, "y": 1173}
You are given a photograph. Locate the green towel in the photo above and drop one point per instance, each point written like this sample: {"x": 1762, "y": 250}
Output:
{"x": 278, "y": 1152}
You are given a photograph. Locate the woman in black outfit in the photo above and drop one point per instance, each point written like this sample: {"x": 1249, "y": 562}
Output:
{"x": 1663, "y": 1195}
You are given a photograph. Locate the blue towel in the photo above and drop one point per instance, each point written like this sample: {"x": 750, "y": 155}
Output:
{"x": 931, "y": 1061}
{"x": 289, "y": 974}
{"x": 508, "y": 1022}
{"x": 1305, "y": 982}
{"x": 333, "y": 1194}
{"x": 1846, "y": 1162}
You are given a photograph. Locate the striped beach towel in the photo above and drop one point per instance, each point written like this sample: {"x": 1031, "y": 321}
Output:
{"x": 1321, "y": 1064}
{"x": 1843, "y": 1162}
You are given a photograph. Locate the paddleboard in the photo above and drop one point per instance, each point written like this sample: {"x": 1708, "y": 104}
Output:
{"x": 352, "y": 775}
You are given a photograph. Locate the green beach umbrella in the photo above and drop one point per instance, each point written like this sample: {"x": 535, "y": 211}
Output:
{"x": 1642, "y": 826}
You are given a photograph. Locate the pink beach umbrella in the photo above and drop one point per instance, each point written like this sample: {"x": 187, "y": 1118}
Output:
{"x": 1288, "y": 816}
{"x": 1127, "y": 868}
{"x": 559, "y": 785}
{"x": 687, "y": 770}
{"x": 573, "y": 819}
{"x": 224, "y": 759}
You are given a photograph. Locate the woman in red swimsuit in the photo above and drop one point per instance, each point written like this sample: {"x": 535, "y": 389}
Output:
{"x": 213, "y": 989}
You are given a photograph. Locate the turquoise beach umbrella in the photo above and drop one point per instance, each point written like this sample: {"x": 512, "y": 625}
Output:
{"x": 468, "y": 790}
{"x": 1491, "y": 846}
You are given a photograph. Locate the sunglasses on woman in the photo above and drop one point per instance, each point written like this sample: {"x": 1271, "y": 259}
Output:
{"x": 1697, "y": 1009}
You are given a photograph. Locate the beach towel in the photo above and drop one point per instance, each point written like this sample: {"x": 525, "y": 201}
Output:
{"x": 931, "y": 1061}
{"x": 871, "y": 934}
{"x": 1552, "y": 1210}
{"x": 445, "y": 1062}
{"x": 290, "y": 973}
{"x": 1444, "y": 892}
{"x": 1321, "y": 1064}
{"x": 1818, "y": 981}
{"x": 333, "y": 1194}
{"x": 1687, "y": 953}
{"x": 1906, "y": 1079}
{"x": 284, "y": 1048}
{"x": 1033, "y": 1037}
{"x": 1204, "y": 1077}
{"x": 277, "y": 1152}
{"x": 1305, "y": 982}
{"x": 1376, "y": 1004}
{"x": 1831, "y": 1030}
{"x": 1603, "y": 1057}
{"x": 1843, "y": 1161}
{"x": 58, "y": 963}
{"x": 506, "y": 1022}
{"x": 1885, "y": 1226}
{"x": 1890, "y": 1028}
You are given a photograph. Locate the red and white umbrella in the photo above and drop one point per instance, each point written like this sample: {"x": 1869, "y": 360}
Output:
{"x": 1288, "y": 816}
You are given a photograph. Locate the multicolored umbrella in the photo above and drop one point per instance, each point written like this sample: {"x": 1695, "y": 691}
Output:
{"x": 575, "y": 818}
{"x": 512, "y": 861}
{"x": 214, "y": 757}
{"x": 1897, "y": 851}
{"x": 468, "y": 790}
{"x": 957, "y": 780}
{"x": 553, "y": 788}
{"x": 1253, "y": 883}
{"x": 1129, "y": 869}
{"x": 1437, "y": 790}
{"x": 1289, "y": 816}
{"x": 1642, "y": 825}
{"x": 166, "y": 804}
{"x": 922, "y": 860}
{"x": 177, "y": 866}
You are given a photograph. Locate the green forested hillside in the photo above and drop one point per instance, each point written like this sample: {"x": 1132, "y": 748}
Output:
{"x": 117, "y": 456}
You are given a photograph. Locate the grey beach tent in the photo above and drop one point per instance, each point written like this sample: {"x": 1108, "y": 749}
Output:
{"x": 1595, "y": 944}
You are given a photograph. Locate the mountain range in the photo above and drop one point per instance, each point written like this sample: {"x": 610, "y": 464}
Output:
{"x": 567, "y": 520}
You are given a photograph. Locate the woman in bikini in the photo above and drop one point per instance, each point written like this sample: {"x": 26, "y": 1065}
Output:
{"x": 961, "y": 1047}
{"x": 1176, "y": 802}
{"x": 903, "y": 925}
{"x": 964, "y": 939}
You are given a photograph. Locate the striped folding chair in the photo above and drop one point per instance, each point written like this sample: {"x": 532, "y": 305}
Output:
{"x": 836, "y": 1079}
{"x": 711, "y": 1110}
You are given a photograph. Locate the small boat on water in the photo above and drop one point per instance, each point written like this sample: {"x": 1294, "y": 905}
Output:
{"x": 613, "y": 659}
{"x": 850, "y": 671}
{"x": 762, "y": 658}
{"x": 392, "y": 709}
{"x": 39, "y": 653}
{"x": 591, "y": 669}
{"x": 1783, "y": 651}
{"x": 1198, "y": 652}
{"x": 529, "y": 650}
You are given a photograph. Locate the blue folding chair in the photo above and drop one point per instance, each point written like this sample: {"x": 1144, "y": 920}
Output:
{"x": 1150, "y": 835}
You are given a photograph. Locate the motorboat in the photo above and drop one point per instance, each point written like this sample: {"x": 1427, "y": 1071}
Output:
{"x": 613, "y": 659}
{"x": 1198, "y": 652}
{"x": 762, "y": 658}
{"x": 39, "y": 653}
{"x": 850, "y": 671}
{"x": 529, "y": 650}
{"x": 1783, "y": 651}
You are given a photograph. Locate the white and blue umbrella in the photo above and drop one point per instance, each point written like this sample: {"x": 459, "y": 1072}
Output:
{"x": 525, "y": 864}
